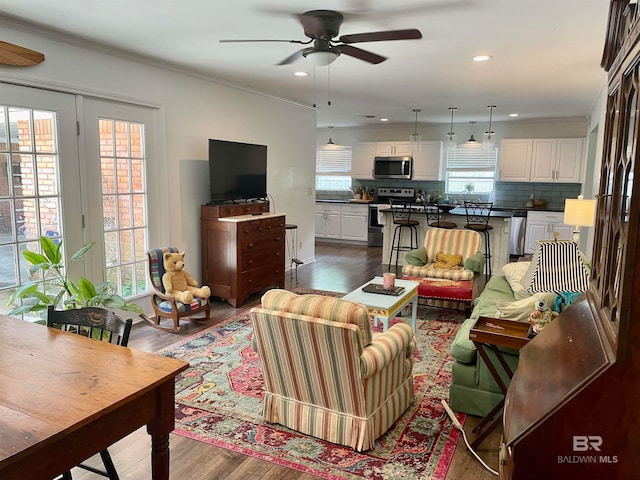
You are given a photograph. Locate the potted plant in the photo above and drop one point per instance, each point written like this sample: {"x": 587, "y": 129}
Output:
{"x": 60, "y": 290}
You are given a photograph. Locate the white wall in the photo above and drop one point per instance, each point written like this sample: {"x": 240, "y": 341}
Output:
{"x": 192, "y": 110}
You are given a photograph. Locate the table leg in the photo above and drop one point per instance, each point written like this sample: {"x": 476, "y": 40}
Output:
{"x": 159, "y": 430}
{"x": 414, "y": 312}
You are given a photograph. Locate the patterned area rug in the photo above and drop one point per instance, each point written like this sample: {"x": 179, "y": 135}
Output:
{"x": 219, "y": 401}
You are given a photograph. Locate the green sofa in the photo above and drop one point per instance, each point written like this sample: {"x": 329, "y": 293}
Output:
{"x": 473, "y": 389}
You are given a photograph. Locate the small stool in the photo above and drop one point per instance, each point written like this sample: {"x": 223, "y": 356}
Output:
{"x": 478, "y": 214}
{"x": 292, "y": 248}
{"x": 402, "y": 220}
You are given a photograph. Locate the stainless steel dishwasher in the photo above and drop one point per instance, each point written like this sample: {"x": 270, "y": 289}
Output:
{"x": 517, "y": 228}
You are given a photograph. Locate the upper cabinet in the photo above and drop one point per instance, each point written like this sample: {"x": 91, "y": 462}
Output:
{"x": 515, "y": 160}
{"x": 541, "y": 160}
{"x": 427, "y": 162}
{"x": 362, "y": 160}
{"x": 387, "y": 149}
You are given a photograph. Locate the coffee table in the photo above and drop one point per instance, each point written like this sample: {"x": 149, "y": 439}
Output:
{"x": 383, "y": 307}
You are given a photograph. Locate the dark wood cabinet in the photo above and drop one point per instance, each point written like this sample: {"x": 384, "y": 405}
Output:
{"x": 242, "y": 249}
{"x": 572, "y": 407}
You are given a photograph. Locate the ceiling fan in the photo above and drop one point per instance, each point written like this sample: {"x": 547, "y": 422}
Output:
{"x": 11, "y": 54}
{"x": 323, "y": 26}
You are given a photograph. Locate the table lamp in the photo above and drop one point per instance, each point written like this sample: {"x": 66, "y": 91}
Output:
{"x": 579, "y": 213}
{"x": 556, "y": 267}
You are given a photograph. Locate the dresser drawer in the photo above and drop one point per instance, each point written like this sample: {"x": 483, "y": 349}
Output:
{"x": 260, "y": 258}
{"x": 242, "y": 209}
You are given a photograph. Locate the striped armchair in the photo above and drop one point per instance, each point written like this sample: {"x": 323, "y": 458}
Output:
{"x": 325, "y": 374}
{"x": 420, "y": 262}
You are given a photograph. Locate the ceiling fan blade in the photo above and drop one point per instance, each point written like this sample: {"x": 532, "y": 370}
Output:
{"x": 361, "y": 54}
{"x": 292, "y": 58}
{"x": 11, "y": 54}
{"x": 408, "y": 34}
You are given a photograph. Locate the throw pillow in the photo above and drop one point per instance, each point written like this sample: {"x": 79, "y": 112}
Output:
{"x": 450, "y": 261}
{"x": 514, "y": 272}
{"x": 520, "y": 310}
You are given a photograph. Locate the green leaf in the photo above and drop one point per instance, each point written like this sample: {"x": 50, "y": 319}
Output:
{"x": 35, "y": 258}
{"x": 43, "y": 297}
{"x": 82, "y": 251}
{"x": 86, "y": 288}
{"x": 50, "y": 249}
{"x": 20, "y": 292}
{"x": 39, "y": 266}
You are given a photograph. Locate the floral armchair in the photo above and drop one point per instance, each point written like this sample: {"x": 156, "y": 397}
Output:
{"x": 325, "y": 374}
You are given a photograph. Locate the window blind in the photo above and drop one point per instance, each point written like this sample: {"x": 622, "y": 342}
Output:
{"x": 336, "y": 161}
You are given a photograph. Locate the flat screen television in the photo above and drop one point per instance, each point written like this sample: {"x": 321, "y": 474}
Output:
{"x": 237, "y": 171}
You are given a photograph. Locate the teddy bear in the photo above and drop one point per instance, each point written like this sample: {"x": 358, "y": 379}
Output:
{"x": 178, "y": 283}
{"x": 542, "y": 315}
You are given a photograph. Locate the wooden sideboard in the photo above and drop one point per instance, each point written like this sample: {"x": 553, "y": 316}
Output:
{"x": 242, "y": 249}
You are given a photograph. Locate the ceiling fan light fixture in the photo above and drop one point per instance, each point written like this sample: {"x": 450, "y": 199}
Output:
{"x": 320, "y": 58}
{"x": 415, "y": 139}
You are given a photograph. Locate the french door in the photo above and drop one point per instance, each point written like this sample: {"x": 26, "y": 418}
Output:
{"x": 74, "y": 169}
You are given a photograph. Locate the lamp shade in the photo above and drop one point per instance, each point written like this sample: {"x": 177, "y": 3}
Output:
{"x": 556, "y": 267}
{"x": 319, "y": 57}
{"x": 579, "y": 212}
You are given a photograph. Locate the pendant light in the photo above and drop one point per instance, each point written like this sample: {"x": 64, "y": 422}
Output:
{"x": 488, "y": 140}
{"x": 451, "y": 140}
{"x": 331, "y": 145}
{"x": 415, "y": 139}
{"x": 472, "y": 142}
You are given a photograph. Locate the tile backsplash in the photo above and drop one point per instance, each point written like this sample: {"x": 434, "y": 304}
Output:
{"x": 506, "y": 194}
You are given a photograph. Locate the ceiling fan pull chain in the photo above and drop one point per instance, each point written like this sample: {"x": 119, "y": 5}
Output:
{"x": 329, "y": 84}
{"x": 314, "y": 86}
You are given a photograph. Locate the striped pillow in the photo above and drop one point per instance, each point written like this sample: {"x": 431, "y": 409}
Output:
{"x": 320, "y": 306}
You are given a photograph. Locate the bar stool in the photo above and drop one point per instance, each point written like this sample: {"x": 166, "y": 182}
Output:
{"x": 478, "y": 214}
{"x": 292, "y": 248}
{"x": 401, "y": 213}
{"x": 433, "y": 214}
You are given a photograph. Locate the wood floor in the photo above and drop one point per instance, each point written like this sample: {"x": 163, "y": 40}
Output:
{"x": 337, "y": 268}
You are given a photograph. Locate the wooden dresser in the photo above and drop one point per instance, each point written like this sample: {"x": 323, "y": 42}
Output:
{"x": 242, "y": 249}
{"x": 572, "y": 406}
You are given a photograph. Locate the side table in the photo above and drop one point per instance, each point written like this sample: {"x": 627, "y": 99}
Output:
{"x": 490, "y": 334}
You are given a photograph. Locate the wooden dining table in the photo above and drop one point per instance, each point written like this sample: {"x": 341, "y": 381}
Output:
{"x": 64, "y": 398}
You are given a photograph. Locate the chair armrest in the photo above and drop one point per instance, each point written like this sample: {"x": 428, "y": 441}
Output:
{"x": 157, "y": 293}
{"x": 416, "y": 257}
{"x": 475, "y": 263}
{"x": 398, "y": 340}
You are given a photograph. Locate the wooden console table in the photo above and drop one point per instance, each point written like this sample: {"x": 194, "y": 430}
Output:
{"x": 65, "y": 398}
{"x": 491, "y": 334}
{"x": 242, "y": 249}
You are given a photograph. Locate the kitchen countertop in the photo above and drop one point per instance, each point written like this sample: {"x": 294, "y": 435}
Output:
{"x": 496, "y": 208}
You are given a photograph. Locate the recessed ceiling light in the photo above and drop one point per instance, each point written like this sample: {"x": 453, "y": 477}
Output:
{"x": 301, "y": 74}
{"x": 482, "y": 58}
{"x": 384, "y": 119}
{"x": 513, "y": 114}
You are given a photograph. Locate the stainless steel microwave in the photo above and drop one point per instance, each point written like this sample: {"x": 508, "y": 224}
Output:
{"x": 393, "y": 167}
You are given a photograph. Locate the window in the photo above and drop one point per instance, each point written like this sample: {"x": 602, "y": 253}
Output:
{"x": 124, "y": 204}
{"x": 333, "y": 168}
{"x": 470, "y": 169}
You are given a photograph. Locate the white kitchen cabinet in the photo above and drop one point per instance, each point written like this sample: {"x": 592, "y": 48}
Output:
{"x": 542, "y": 225}
{"x": 354, "y": 222}
{"x": 362, "y": 155}
{"x": 386, "y": 149}
{"x": 557, "y": 160}
{"x": 428, "y": 161}
{"x": 327, "y": 220}
{"x": 515, "y": 160}
{"x": 541, "y": 160}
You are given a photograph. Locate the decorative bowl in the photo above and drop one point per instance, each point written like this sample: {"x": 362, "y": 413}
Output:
{"x": 539, "y": 203}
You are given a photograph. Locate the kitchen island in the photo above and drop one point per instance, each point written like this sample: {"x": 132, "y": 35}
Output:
{"x": 499, "y": 236}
